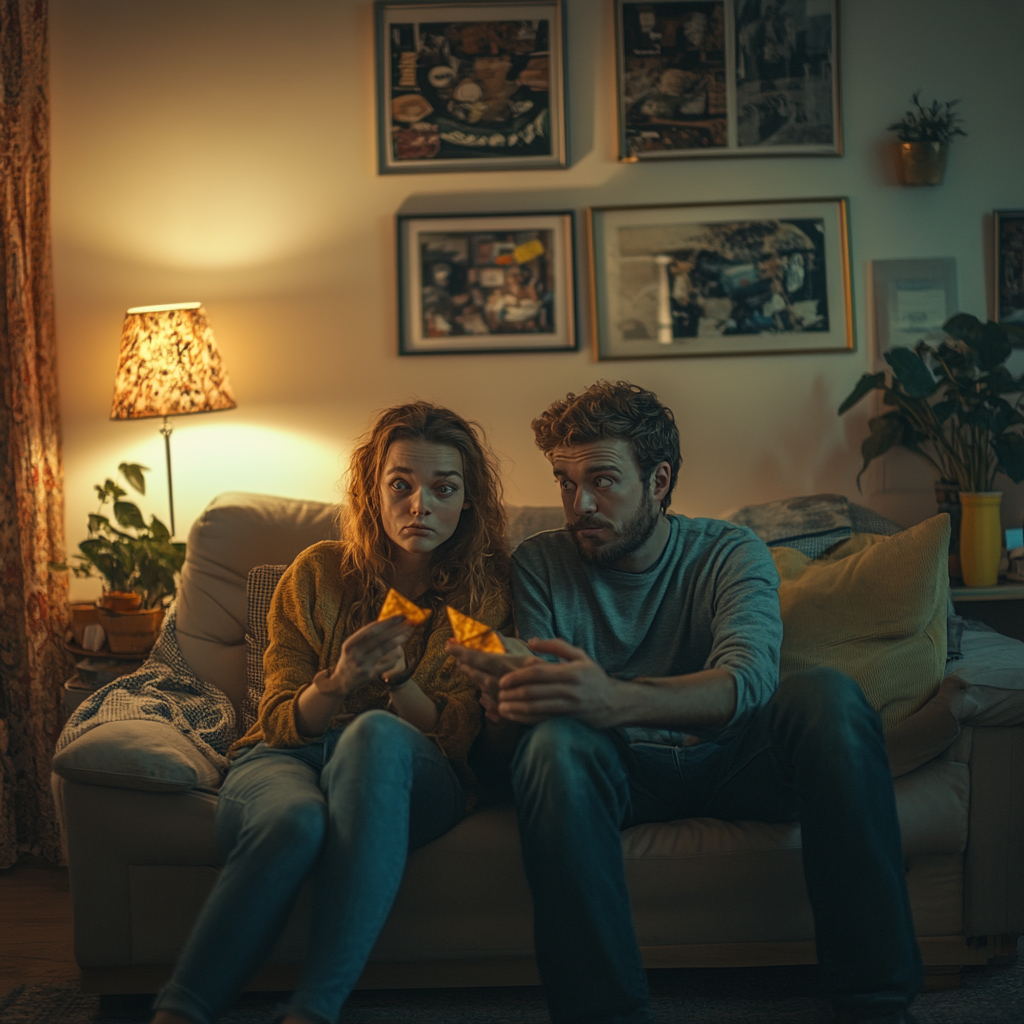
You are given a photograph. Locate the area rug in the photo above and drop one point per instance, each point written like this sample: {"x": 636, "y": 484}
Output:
{"x": 989, "y": 995}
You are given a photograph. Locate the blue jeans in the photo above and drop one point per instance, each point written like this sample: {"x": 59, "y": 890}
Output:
{"x": 348, "y": 808}
{"x": 815, "y": 753}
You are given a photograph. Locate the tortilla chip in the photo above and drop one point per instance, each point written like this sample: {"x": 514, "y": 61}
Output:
{"x": 474, "y": 635}
{"x": 395, "y": 604}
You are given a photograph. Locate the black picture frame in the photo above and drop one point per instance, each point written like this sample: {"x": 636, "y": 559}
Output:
{"x": 458, "y": 293}
{"x": 470, "y": 86}
{"x": 1008, "y": 270}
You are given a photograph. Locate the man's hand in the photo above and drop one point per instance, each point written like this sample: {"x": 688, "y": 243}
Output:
{"x": 485, "y": 669}
{"x": 577, "y": 687}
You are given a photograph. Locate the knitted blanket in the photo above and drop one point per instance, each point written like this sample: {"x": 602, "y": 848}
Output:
{"x": 166, "y": 690}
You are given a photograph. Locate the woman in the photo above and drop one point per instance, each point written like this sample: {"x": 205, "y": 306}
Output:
{"x": 359, "y": 753}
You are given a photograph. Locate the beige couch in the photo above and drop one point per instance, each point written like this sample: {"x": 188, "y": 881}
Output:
{"x": 705, "y": 892}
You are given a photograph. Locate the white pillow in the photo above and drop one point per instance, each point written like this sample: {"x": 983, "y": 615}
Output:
{"x": 993, "y": 668}
{"x": 136, "y": 754}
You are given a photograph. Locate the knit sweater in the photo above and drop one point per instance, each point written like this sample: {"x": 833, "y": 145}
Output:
{"x": 304, "y": 627}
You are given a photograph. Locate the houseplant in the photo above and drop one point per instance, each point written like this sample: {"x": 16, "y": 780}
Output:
{"x": 956, "y": 405}
{"x": 138, "y": 563}
{"x": 924, "y": 135}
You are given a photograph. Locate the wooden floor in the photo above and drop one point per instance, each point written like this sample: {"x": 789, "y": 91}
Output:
{"x": 35, "y": 926}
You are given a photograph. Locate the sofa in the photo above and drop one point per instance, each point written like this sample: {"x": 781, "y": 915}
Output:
{"x": 140, "y": 844}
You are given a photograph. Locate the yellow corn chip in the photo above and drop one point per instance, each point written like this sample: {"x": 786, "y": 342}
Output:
{"x": 395, "y": 604}
{"x": 474, "y": 635}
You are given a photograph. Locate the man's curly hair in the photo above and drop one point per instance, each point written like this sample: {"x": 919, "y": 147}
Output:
{"x": 614, "y": 410}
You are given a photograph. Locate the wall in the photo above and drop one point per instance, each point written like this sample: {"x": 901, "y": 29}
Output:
{"x": 224, "y": 151}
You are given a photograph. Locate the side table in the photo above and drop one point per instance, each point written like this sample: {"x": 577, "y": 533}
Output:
{"x": 1001, "y": 606}
{"x": 90, "y": 675}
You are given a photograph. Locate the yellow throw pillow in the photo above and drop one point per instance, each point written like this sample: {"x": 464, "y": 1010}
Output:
{"x": 878, "y": 614}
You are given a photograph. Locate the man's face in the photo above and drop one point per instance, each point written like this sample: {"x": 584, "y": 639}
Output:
{"x": 609, "y": 511}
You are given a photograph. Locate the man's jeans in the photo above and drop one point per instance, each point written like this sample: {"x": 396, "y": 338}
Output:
{"x": 348, "y": 807}
{"x": 814, "y": 752}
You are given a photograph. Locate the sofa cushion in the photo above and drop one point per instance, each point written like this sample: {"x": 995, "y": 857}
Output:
{"x": 259, "y": 590}
{"x": 879, "y": 615}
{"x": 993, "y": 668}
{"x": 234, "y": 533}
{"x": 136, "y": 754}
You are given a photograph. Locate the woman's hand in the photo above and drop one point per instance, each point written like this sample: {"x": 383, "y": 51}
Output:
{"x": 367, "y": 655}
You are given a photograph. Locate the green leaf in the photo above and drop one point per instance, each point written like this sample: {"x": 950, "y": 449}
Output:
{"x": 910, "y": 370}
{"x": 112, "y": 489}
{"x": 943, "y": 410}
{"x": 158, "y": 530}
{"x": 1018, "y": 331}
{"x": 128, "y": 514}
{"x": 963, "y": 327}
{"x": 101, "y": 493}
{"x": 132, "y": 472}
{"x": 869, "y": 382}
{"x": 886, "y": 432}
{"x": 57, "y": 566}
{"x": 991, "y": 345}
{"x": 97, "y": 522}
{"x": 1009, "y": 451}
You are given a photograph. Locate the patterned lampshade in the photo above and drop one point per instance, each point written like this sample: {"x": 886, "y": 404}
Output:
{"x": 169, "y": 364}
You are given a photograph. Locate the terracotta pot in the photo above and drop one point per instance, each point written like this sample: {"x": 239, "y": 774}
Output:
{"x": 921, "y": 163}
{"x": 121, "y": 601}
{"x": 131, "y": 632}
{"x": 83, "y": 613}
{"x": 981, "y": 540}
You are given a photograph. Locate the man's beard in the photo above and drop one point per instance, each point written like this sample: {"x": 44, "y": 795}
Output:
{"x": 636, "y": 532}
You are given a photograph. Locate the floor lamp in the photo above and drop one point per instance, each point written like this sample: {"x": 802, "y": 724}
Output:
{"x": 169, "y": 366}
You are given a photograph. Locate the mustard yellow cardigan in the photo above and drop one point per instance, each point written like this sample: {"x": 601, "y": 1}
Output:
{"x": 306, "y": 638}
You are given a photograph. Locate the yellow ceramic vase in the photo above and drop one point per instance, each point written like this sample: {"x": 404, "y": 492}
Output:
{"x": 981, "y": 542}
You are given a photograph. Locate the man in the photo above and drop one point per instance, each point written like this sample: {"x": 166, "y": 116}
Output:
{"x": 660, "y": 700}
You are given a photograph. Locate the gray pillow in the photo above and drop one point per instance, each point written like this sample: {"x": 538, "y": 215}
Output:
{"x": 136, "y": 755}
{"x": 993, "y": 668}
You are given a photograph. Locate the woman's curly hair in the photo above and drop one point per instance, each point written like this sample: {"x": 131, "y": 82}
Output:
{"x": 472, "y": 566}
{"x": 614, "y": 410}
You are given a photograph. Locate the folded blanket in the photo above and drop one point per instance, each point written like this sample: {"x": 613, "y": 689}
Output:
{"x": 166, "y": 690}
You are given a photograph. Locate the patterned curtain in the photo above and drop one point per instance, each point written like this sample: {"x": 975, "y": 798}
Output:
{"x": 33, "y": 602}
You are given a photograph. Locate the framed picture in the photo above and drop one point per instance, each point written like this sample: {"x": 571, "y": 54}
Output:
{"x": 913, "y": 299}
{"x": 704, "y": 78}
{"x": 486, "y": 283}
{"x": 1008, "y": 229}
{"x": 470, "y": 86}
{"x": 749, "y": 278}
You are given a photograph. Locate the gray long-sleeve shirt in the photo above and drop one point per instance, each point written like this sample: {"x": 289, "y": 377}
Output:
{"x": 709, "y": 601}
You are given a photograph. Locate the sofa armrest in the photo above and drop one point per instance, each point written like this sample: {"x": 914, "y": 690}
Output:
{"x": 994, "y": 862}
{"x": 109, "y": 830}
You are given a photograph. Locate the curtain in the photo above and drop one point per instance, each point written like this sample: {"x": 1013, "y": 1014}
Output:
{"x": 33, "y": 601}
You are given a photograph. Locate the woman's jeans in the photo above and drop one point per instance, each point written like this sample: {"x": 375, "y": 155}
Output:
{"x": 347, "y": 808}
{"x": 815, "y": 753}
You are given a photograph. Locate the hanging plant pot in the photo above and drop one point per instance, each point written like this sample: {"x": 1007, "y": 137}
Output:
{"x": 121, "y": 601}
{"x": 132, "y": 632}
{"x": 980, "y": 537}
{"x": 947, "y": 499}
{"x": 921, "y": 163}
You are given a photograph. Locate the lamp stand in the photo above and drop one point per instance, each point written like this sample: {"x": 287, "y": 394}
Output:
{"x": 166, "y": 430}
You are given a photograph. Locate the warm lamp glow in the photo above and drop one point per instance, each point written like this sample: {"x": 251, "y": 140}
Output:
{"x": 169, "y": 364}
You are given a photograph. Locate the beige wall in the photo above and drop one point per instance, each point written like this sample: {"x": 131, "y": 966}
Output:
{"x": 223, "y": 150}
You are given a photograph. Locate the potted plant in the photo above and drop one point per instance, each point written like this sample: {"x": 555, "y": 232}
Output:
{"x": 924, "y": 135}
{"x": 956, "y": 405}
{"x": 138, "y": 563}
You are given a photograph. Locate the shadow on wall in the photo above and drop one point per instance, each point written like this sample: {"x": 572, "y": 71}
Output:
{"x": 807, "y": 457}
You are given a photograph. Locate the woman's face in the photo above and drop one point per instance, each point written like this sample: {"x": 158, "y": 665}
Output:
{"x": 423, "y": 494}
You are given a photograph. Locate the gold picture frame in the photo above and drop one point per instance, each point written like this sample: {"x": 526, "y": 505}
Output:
{"x": 711, "y": 279}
